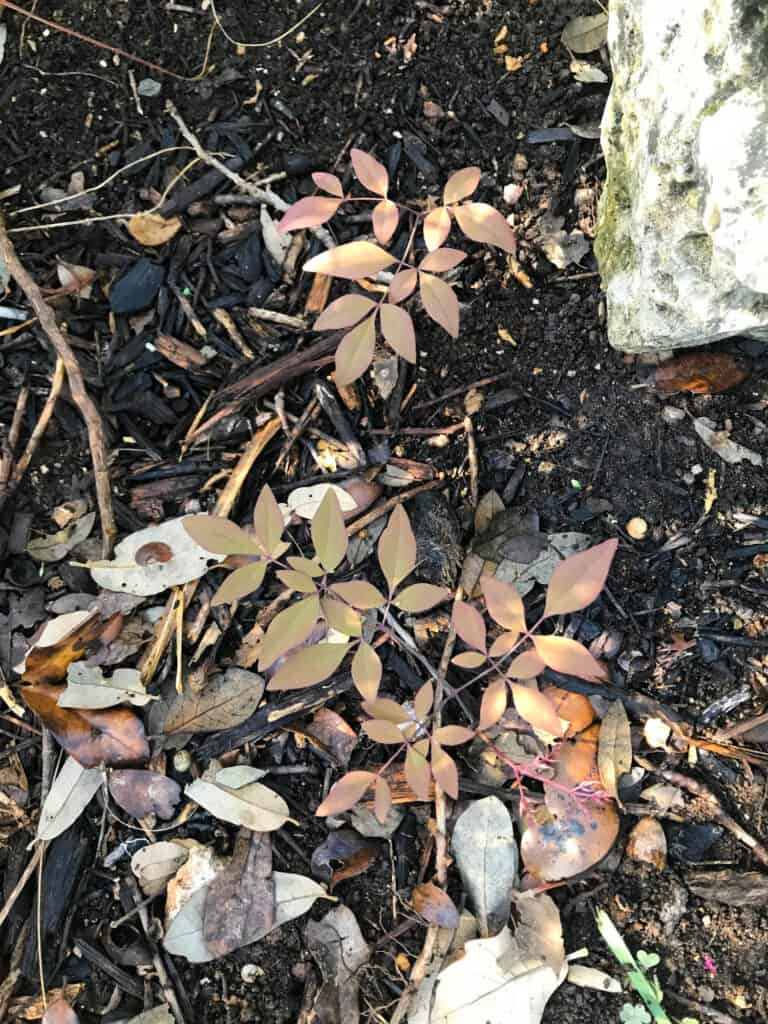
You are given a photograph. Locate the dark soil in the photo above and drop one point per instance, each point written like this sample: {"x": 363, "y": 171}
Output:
{"x": 581, "y": 418}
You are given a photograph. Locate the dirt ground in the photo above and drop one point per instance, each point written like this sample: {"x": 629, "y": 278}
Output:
{"x": 598, "y": 446}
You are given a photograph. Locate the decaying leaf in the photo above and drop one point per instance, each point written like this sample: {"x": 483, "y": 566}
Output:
{"x": 591, "y": 977}
{"x": 353, "y": 852}
{"x": 88, "y": 687}
{"x": 71, "y": 792}
{"x": 60, "y": 1012}
{"x": 588, "y": 73}
{"x": 485, "y": 851}
{"x": 614, "y": 751}
{"x": 703, "y": 373}
{"x": 152, "y": 228}
{"x": 435, "y": 905}
{"x": 240, "y": 900}
{"x": 721, "y": 444}
{"x": 337, "y": 738}
{"x": 647, "y": 843}
{"x": 113, "y": 737}
{"x": 152, "y": 560}
{"x": 249, "y": 804}
{"x": 338, "y": 946}
{"x": 141, "y": 793}
{"x": 155, "y": 865}
{"x": 76, "y": 279}
{"x": 585, "y": 34}
{"x": 228, "y": 699}
{"x": 62, "y": 641}
{"x": 55, "y": 546}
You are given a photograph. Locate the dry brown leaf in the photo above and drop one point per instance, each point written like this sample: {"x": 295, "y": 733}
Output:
{"x": 614, "y": 751}
{"x": 152, "y": 228}
{"x": 141, "y": 793}
{"x": 435, "y": 905}
{"x": 227, "y": 700}
{"x": 62, "y": 641}
{"x": 703, "y": 373}
{"x": 240, "y": 901}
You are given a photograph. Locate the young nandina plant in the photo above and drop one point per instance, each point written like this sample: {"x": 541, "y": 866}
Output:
{"x": 333, "y": 618}
{"x": 366, "y": 317}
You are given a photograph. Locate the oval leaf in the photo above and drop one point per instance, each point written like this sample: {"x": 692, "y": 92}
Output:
{"x": 614, "y": 748}
{"x": 346, "y": 792}
{"x": 71, "y": 792}
{"x": 329, "y": 535}
{"x": 385, "y": 218}
{"x": 366, "y": 671}
{"x": 310, "y": 666}
{"x": 289, "y": 629}
{"x": 453, "y": 735}
{"x": 253, "y": 806}
{"x": 308, "y": 213}
{"x": 240, "y": 583}
{"x": 568, "y": 656}
{"x": 382, "y": 802}
{"x": 469, "y": 659}
{"x": 268, "y": 522}
{"x": 220, "y": 536}
{"x": 435, "y": 906}
{"x": 444, "y": 771}
{"x": 423, "y": 700}
{"x": 328, "y": 183}
{"x": 437, "y": 227}
{"x": 440, "y": 302}
{"x": 470, "y": 625}
{"x": 383, "y": 732}
{"x": 504, "y": 604}
{"x": 397, "y": 328}
{"x": 536, "y": 709}
{"x": 418, "y": 774}
{"x": 525, "y": 666}
{"x": 297, "y": 581}
{"x": 442, "y": 259}
{"x": 341, "y": 617}
{"x": 482, "y": 223}
{"x": 344, "y": 312}
{"x": 355, "y": 353}
{"x": 503, "y": 644}
{"x": 353, "y": 260}
{"x": 360, "y": 594}
{"x": 578, "y": 580}
{"x": 397, "y": 549}
{"x": 369, "y": 172}
{"x": 402, "y": 284}
{"x": 493, "y": 704}
{"x": 461, "y": 184}
{"x": 485, "y": 852}
{"x": 421, "y": 597}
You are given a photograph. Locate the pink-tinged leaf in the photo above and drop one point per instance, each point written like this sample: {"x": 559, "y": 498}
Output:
{"x": 397, "y": 328}
{"x": 387, "y": 709}
{"x": 355, "y": 353}
{"x": 382, "y": 800}
{"x": 288, "y": 629}
{"x": 353, "y": 260}
{"x": 220, "y": 536}
{"x": 366, "y": 671}
{"x": 482, "y": 223}
{"x": 344, "y": 312}
{"x": 420, "y": 597}
{"x": 360, "y": 594}
{"x": 453, "y": 735}
{"x": 525, "y": 666}
{"x": 422, "y": 702}
{"x": 461, "y": 184}
{"x": 568, "y": 656}
{"x": 346, "y": 793}
{"x": 60, "y": 1012}
{"x": 536, "y": 709}
{"x": 493, "y": 705}
{"x": 442, "y": 259}
{"x": 369, "y": 172}
{"x": 240, "y": 583}
{"x": 417, "y": 773}
{"x": 329, "y": 534}
{"x": 503, "y": 644}
{"x": 397, "y": 549}
{"x": 469, "y": 659}
{"x": 341, "y": 617}
{"x": 308, "y": 213}
{"x": 504, "y": 604}
{"x": 297, "y": 581}
{"x": 578, "y": 580}
{"x": 444, "y": 771}
{"x": 437, "y": 227}
{"x": 385, "y": 218}
{"x": 328, "y": 183}
{"x": 440, "y": 302}
{"x": 268, "y": 522}
{"x": 470, "y": 625}
{"x": 381, "y": 731}
{"x": 310, "y": 666}
{"x": 402, "y": 284}
{"x": 435, "y": 906}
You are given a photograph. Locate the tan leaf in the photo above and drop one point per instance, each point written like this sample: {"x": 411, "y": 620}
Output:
{"x": 440, "y": 302}
{"x": 345, "y": 793}
{"x": 341, "y": 617}
{"x": 503, "y": 644}
{"x": 493, "y": 704}
{"x": 614, "y": 749}
{"x": 423, "y": 700}
{"x": 453, "y": 735}
{"x": 417, "y": 773}
{"x": 525, "y": 666}
{"x": 435, "y": 905}
{"x": 437, "y": 227}
{"x": 461, "y": 184}
{"x": 470, "y": 625}
{"x": 253, "y": 805}
{"x": 297, "y": 581}
{"x": 504, "y": 604}
{"x": 469, "y": 659}
{"x": 344, "y": 312}
{"x": 240, "y": 583}
{"x": 360, "y": 594}
{"x": 385, "y": 218}
{"x": 153, "y": 229}
{"x": 382, "y": 800}
{"x": 397, "y": 328}
{"x": 312, "y": 665}
{"x": 420, "y": 597}
{"x": 353, "y": 260}
{"x": 369, "y": 172}
{"x": 306, "y": 566}
{"x": 289, "y": 629}
{"x": 387, "y": 709}
{"x": 568, "y": 656}
{"x": 397, "y": 549}
{"x": 382, "y": 732}
{"x": 444, "y": 771}
{"x": 268, "y": 522}
{"x": 69, "y": 795}
{"x": 536, "y": 709}
{"x": 586, "y": 33}
{"x": 329, "y": 534}
{"x": 578, "y": 580}
{"x": 308, "y": 213}
{"x": 221, "y": 536}
{"x": 305, "y": 501}
{"x": 402, "y": 284}
{"x": 441, "y": 260}
{"x": 328, "y": 183}
{"x": 482, "y": 223}
{"x": 228, "y": 699}
{"x": 355, "y": 352}
{"x": 366, "y": 671}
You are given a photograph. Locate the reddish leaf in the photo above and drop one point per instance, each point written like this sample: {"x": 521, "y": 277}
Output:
{"x": 453, "y": 735}
{"x": 417, "y": 773}
{"x": 113, "y": 737}
{"x": 381, "y": 731}
{"x": 578, "y": 580}
{"x": 220, "y": 536}
{"x": 568, "y": 656}
{"x": 504, "y": 604}
{"x": 469, "y": 625}
{"x": 440, "y": 302}
{"x": 493, "y": 704}
{"x": 360, "y": 594}
{"x": 329, "y": 534}
{"x": 397, "y": 328}
{"x": 703, "y": 373}
{"x": 308, "y": 213}
{"x": 328, "y": 183}
{"x": 60, "y": 1012}
{"x": 346, "y": 847}
{"x": 397, "y": 549}
{"x": 573, "y": 707}
{"x": 268, "y": 523}
{"x": 482, "y": 223}
{"x": 297, "y": 581}
{"x": 525, "y": 666}
{"x": 369, "y": 172}
{"x": 469, "y": 659}
{"x": 420, "y": 597}
{"x": 435, "y": 906}
{"x": 402, "y": 284}
{"x": 366, "y": 671}
{"x": 444, "y": 771}
{"x": 355, "y": 352}
{"x": 442, "y": 259}
{"x": 140, "y": 793}
{"x": 310, "y": 666}
{"x": 564, "y": 839}
{"x": 437, "y": 227}
{"x": 240, "y": 583}
{"x": 289, "y": 629}
{"x": 461, "y": 184}
{"x": 345, "y": 793}
{"x": 385, "y": 218}
{"x": 344, "y": 312}
{"x": 49, "y": 664}
{"x": 341, "y": 617}
{"x": 503, "y": 644}
{"x": 382, "y": 800}
{"x": 353, "y": 260}
{"x": 536, "y": 709}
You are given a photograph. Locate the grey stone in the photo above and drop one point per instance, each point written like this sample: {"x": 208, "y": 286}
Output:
{"x": 683, "y": 218}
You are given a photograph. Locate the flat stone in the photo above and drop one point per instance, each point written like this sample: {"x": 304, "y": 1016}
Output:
{"x": 137, "y": 288}
{"x": 684, "y": 215}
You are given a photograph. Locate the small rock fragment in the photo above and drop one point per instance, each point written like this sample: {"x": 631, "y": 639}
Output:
{"x": 647, "y": 843}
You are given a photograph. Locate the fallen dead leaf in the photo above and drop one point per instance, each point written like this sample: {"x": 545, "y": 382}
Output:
{"x": 703, "y": 373}
{"x": 141, "y": 793}
{"x": 240, "y": 900}
{"x": 54, "y": 547}
{"x": 88, "y": 687}
{"x": 155, "y": 865}
{"x": 338, "y": 946}
{"x": 435, "y": 905}
{"x": 71, "y": 792}
{"x": 484, "y": 847}
{"x": 228, "y": 699}
{"x": 249, "y": 804}
{"x": 153, "y": 229}
{"x": 721, "y": 444}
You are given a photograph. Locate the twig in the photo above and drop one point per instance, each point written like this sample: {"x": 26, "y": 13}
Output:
{"x": 17, "y": 890}
{"x": 398, "y": 499}
{"x": 474, "y": 489}
{"x": 57, "y": 383}
{"x": 169, "y": 992}
{"x": 341, "y": 424}
{"x": 298, "y": 429}
{"x": 10, "y": 442}
{"x": 83, "y": 400}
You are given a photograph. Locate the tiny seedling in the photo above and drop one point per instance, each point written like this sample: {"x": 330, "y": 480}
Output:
{"x": 641, "y": 976}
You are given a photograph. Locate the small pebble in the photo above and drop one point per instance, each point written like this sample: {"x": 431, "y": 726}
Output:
{"x": 182, "y": 761}
{"x": 149, "y": 87}
{"x": 637, "y": 528}
{"x": 671, "y": 414}
{"x": 250, "y": 972}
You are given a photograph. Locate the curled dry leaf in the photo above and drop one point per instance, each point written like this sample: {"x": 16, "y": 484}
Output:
{"x": 614, "y": 751}
{"x": 435, "y": 905}
{"x": 228, "y": 699}
{"x": 88, "y": 687}
{"x": 181, "y": 561}
{"x": 62, "y": 641}
{"x": 76, "y": 279}
{"x": 252, "y": 805}
{"x": 352, "y": 260}
{"x": 344, "y": 312}
{"x": 156, "y": 864}
{"x": 703, "y": 373}
{"x": 71, "y": 792}
{"x": 647, "y": 843}
{"x": 113, "y": 737}
{"x": 153, "y": 229}
{"x": 353, "y": 852}
{"x": 337, "y": 738}
{"x": 721, "y": 444}
{"x": 141, "y": 793}
{"x": 586, "y": 33}
{"x": 482, "y": 223}
{"x": 440, "y": 302}
{"x": 485, "y": 851}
